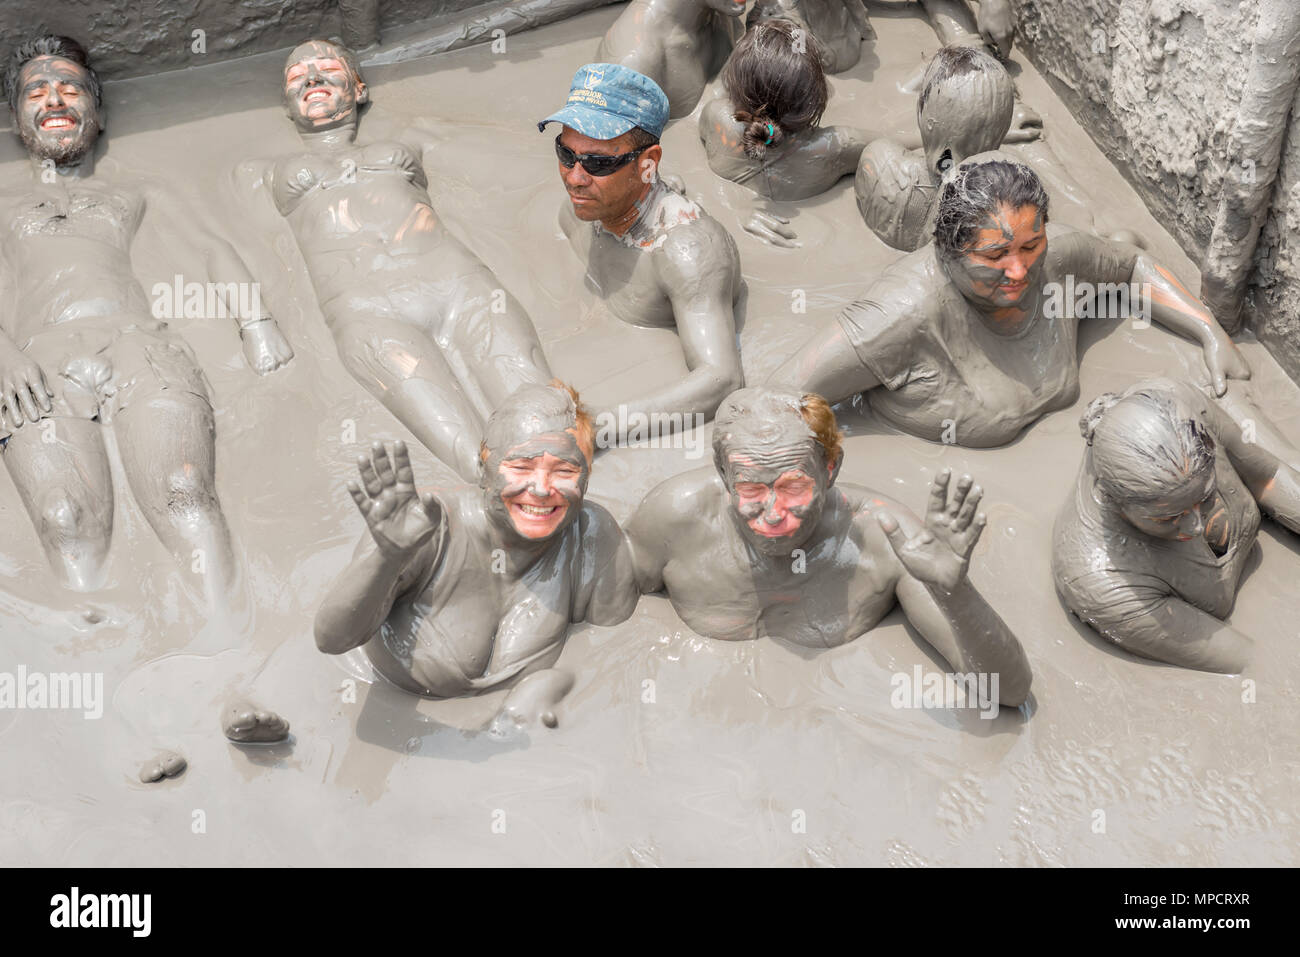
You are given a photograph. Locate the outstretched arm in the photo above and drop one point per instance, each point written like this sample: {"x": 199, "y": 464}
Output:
{"x": 403, "y": 546}
{"x": 937, "y": 595}
{"x": 1175, "y": 308}
{"x": 697, "y": 268}
{"x": 828, "y": 365}
{"x": 1274, "y": 483}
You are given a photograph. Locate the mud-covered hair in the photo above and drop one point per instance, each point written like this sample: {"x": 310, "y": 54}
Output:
{"x": 583, "y": 425}
{"x": 820, "y": 417}
{"x": 776, "y": 83}
{"x": 63, "y": 47}
{"x": 1144, "y": 444}
{"x": 974, "y": 191}
{"x": 954, "y": 61}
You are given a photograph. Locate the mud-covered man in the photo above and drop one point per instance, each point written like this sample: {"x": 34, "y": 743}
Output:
{"x": 81, "y": 349}
{"x": 655, "y": 257}
{"x": 767, "y": 544}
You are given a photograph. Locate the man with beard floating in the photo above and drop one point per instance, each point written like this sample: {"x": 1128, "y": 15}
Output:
{"x": 770, "y": 545}
{"x": 80, "y": 348}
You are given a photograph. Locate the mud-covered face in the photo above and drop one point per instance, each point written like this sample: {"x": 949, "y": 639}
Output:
{"x": 1005, "y": 260}
{"x": 320, "y": 90}
{"x": 607, "y": 198}
{"x": 535, "y": 488}
{"x": 777, "y": 494}
{"x": 1192, "y": 511}
{"x": 56, "y": 114}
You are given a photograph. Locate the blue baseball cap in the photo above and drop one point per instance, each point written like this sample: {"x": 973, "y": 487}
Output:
{"x": 606, "y": 100}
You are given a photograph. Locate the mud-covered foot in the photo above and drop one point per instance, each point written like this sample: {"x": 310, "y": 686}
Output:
{"x": 532, "y": 702}
{"x": 168, "y": 764}
{"x": 245, "y": 724}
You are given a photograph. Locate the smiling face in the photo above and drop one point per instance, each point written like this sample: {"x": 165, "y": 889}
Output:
{"x": 321, "y": 91}
{"x": 1194, "y": 510}
{"x": 606, "y": 198}
{"x": 1004, "y": 260}
{"x": 539, "y": 484}
{"x": 56, "y": 114}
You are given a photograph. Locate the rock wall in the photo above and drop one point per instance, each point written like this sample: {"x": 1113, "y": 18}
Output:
{"x": 1160, "y": 86}
{"x": 134, "y": 37}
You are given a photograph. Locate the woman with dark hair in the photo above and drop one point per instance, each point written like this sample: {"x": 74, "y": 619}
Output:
{"x": 973, "y": 337}
{"x": 1150, "y": 548}
{"x": 764, "y": 133}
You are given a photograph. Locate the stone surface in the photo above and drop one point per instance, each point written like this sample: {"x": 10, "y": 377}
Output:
{"x": 1157, "y": 84}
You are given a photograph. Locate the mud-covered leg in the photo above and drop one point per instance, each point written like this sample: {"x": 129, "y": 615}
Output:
{"x": 167, "y": 441}
{"x": 61, "y": 469}
{"x": 406, "y": 371}
{"x": 491, "y": 336}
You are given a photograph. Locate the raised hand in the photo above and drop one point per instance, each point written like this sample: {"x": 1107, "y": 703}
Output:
{"x": 940, "y": 553}
{"x": 398, "y": 519}
{"x": 23, "y": 392}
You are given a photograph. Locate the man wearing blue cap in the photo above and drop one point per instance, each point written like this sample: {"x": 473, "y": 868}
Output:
{"x": 655, "y": 257}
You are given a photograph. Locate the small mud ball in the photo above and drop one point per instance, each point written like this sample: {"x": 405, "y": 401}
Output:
{"x": 894, "y": 195}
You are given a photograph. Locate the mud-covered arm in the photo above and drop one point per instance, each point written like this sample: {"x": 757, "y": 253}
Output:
{"x": 361, "y": 597}
{"x": 1180, "y": 633}
{"x": 24, "y": 393}
{"x": 1274, "y": 483}
{"x": 405, "y": 535}
{"x": 937, "y": 595}
{"x": 697, "y": 270}
{"x": 232, "y": 283}
{"x": 608, "y": 572}
{"x": 647, "y": 533}
{"x": 1172, "y": 305}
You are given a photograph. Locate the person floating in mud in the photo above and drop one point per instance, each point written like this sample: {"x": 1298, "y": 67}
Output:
{"x": 474, "y": 590}
{"x": 680, "y": 44}
{"x": 81, "y": 348}
{"x": 764, "y": 133}
{"x": 1150, "y": 547}
{"x": 655, "y": 257}
{"x": 836, "y": 28}
{"x": 768, "y": 544}
{"x": 965, "y": 107}
{"x": 418, "y": 319}
{"x": 970, "y": 339}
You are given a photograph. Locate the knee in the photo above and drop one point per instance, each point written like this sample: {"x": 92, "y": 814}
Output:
{"x": 63, "y": 517}
{"x": 187, "y": 495}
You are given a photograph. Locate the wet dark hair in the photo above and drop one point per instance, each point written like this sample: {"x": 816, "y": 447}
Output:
{"x": 775, "y": 88}
{"x": 952, "y": 61}
{"x": 640, "y": 139}
{"x": 65, "y": 48}
{"x": 974, "y": 191}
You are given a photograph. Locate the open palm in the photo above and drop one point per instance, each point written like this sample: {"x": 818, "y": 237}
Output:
{"x": 398, "y": 519}
{"x": 939, "y": 553}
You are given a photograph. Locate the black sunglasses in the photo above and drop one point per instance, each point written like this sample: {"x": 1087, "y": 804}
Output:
{"x": 597, "y": 164}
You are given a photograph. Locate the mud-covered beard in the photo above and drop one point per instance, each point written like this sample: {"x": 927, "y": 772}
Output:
{"x": 64, "y": 151}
